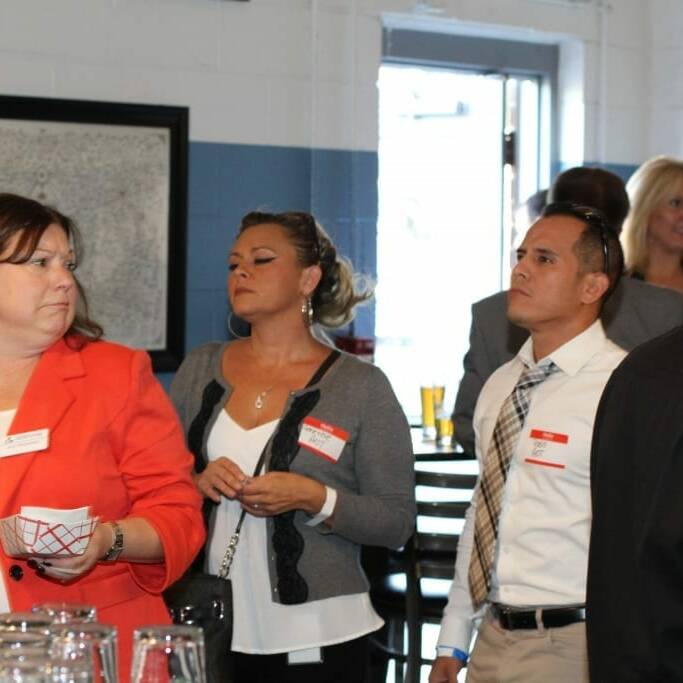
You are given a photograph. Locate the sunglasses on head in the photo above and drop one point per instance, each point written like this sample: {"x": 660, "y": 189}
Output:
{"x": 588, "y": 215}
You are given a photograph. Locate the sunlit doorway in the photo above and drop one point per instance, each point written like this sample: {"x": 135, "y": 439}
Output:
{"x": 449, "y": 182}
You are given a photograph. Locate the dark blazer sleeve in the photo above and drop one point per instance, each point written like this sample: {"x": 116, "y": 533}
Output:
{"x": 476, "y": 370}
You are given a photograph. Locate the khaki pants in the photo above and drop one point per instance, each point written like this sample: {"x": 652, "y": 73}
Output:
{"x": 554, "y": 655}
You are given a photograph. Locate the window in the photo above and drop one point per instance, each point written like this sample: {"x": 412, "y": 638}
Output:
{"x": 459, "y": 150}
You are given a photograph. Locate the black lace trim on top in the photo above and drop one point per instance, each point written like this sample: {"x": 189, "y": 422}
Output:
{"x": 212, "y": 394}
{"x": 287, "y": 540}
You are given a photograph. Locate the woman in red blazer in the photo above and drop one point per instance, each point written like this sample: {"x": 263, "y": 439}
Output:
{"x": 113, "y": 441}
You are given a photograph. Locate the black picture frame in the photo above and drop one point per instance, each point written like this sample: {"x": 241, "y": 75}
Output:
{"x": 90, "y": 116}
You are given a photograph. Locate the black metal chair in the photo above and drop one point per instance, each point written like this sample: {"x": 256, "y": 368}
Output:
{"x": 411, "y": 587}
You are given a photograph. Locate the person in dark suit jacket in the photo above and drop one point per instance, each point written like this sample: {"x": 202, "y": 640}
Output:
{"x": 635, "y": 312}
{"x": 634, "y": 600}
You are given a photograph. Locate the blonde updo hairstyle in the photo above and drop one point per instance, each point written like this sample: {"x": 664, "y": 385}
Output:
{"x": 650, "y": 187}
{"x": 336, "y": 296}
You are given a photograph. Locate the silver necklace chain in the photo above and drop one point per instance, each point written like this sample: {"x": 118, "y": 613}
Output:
{"x": 260, "y": 398}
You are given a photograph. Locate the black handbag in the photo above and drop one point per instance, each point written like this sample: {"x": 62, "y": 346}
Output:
{"x": 205, "y": 600}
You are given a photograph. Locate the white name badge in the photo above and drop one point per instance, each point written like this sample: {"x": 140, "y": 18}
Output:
{"x": 322, "y": 438}
{"x": 26, "y": 442}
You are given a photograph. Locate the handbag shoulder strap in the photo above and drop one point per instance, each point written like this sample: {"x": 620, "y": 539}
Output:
{"x": 226, "y": 562}
{"x": 324, "y": 367}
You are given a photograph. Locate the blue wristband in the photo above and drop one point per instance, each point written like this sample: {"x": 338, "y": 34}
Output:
{"x": 459, "y": 654}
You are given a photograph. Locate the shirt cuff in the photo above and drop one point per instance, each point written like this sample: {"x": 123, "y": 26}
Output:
{"x": 447, "y": 651}
{"x": 327, "y": 509}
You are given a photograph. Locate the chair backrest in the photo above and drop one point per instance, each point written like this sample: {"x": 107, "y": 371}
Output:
{"x": 444, "y": 495}
{"x": 411, "y": 584}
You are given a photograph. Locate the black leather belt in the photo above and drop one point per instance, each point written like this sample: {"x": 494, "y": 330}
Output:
{"x": 511, "y": 619}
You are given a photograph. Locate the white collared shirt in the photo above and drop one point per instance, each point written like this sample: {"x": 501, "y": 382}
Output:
{"x": 542, "y": 551}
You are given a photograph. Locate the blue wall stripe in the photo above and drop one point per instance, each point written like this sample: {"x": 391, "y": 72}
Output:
{"x": 624, "y": 171}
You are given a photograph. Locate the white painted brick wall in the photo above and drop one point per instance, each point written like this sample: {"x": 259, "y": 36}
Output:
{"x": 665, "y": 95}
{"x": 253, "y": 72}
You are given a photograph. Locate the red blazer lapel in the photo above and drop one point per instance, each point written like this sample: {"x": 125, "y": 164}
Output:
{"x": 46, "y": 399}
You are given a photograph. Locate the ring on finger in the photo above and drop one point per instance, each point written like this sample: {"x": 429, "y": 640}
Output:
{"x": 256, "y": 506}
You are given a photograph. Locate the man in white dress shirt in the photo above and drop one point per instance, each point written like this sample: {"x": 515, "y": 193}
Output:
{"x": 531, "y": 603}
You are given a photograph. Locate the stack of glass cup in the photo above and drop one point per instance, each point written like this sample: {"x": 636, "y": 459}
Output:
{"x": 64, "y": 643}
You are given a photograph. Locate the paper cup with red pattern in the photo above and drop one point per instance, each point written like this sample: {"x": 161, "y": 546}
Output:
{"x": 53, "y": 534}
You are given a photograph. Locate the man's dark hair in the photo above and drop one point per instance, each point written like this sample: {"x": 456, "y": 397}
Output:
{"x": 593, "y": 187}
{"x": 598, "y": 247}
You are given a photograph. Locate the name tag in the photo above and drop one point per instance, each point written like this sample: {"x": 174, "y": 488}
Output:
{"x": 322, "y": 438}
{"x": 540, "y": 447}
{"x": 26, "y": 442}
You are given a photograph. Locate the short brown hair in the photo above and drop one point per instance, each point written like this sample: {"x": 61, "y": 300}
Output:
{"x": 29, "y": 219}
{"x": 596, "y": 187}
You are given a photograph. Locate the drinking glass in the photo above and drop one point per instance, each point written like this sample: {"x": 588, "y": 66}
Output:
{"x": 66, "y": 612}
{"x": 87, "y": 647}
{"x": 22, "y": 645}
{"x": 25, "y": 621}
{"x": 439, "y": 393}
{"x": 427, "y": 401}
{"x": 31, "y": 670}
{"x": 444, "y": 430}
{"x": 168, "y": 654}
{"x": 432, "y": 398}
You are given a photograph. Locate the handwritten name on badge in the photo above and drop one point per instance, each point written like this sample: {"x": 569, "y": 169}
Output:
{"x": 322, "y": 438}
{"x": 26, "y": 442}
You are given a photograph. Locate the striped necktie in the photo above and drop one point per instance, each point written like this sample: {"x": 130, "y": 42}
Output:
{"x": 490, "y": 492}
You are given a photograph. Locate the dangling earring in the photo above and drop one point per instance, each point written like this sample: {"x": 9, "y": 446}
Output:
{"x": 232, "y": 332}
{"x": 307, "y": 311}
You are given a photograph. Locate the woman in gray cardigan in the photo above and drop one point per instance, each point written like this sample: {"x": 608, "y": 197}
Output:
{"x": 337, "y": 460}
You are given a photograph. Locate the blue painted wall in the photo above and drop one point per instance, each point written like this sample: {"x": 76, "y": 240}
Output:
{"x": 624, "y": 171}
{"x": 226, "y": 181}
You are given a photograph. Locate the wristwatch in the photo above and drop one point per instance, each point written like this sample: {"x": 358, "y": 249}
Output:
{"x": 116, "y": 547}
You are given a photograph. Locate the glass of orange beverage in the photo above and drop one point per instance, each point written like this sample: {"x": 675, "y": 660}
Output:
{"x": 432, "y": 397}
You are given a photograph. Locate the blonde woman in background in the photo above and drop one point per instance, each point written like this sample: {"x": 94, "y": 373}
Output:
{"x": 653, "y": 231}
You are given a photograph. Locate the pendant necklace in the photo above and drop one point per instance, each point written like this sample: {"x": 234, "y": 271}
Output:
{"x": 259, "y": 402}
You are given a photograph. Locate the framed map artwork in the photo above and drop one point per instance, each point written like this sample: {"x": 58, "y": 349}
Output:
{"x": 120, "y": 170}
